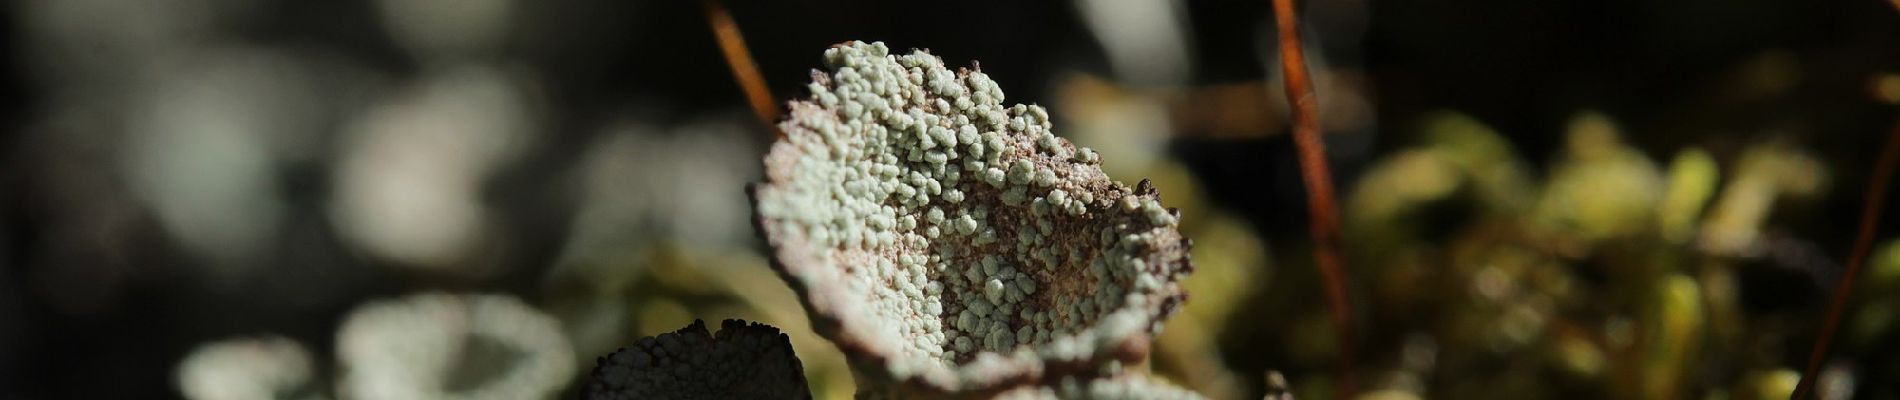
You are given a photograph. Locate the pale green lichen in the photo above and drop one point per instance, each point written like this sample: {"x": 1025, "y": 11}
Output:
{"x": 1039, "y": 257}
{"x": 271, "y": 367}
{"x": 431, "y": 345}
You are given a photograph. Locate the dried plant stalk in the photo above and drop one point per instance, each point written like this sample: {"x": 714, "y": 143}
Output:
{"x": 1863, "y": 241}
{"x": 1323, "y": 214}
{"x": 739, "y": 59}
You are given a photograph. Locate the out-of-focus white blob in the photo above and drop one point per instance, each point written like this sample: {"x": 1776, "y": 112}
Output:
{"x": 438, "y": 346}
{"x": 101, "y": 43}
{"x": 636, "y": 183}
{"x": 1146, "y": 40}
{"x": 699, "y": 174}
{"x": 269, "y": 367}
{"x": 1129, "y": 129}
{"x": 437, "y": 29}
{"x": 408, "y": 180}
{"x": 612, "y": 210}
{"x": 199, "y": 151}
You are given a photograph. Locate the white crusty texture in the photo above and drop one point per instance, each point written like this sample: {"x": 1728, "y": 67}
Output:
{"x": 1121, "y": 387}
{"x": 741, "y": 362}
{"x": 932, "y": 224}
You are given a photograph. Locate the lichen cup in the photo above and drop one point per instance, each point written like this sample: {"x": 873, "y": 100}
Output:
{"x": 950, "y": 245}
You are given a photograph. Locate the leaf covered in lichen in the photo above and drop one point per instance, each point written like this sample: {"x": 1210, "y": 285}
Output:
{"x": 947, "y": 242}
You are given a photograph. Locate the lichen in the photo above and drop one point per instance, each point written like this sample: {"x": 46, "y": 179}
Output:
{"x": 271, "y": 367}
{"x": 742, "y": 361}
{"x": 949, "y": 242}
{"x": 1120, "y": 387}
{"x": 437, "y": 345}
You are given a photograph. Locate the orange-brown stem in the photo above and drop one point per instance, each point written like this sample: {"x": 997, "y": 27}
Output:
{"x": 739, "y": 59}
{"x": 1863, "y": 242}
{"x": 1324, "y": 219}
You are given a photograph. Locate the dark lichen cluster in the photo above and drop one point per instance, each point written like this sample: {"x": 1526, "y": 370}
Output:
{"x": 741, "y": 361}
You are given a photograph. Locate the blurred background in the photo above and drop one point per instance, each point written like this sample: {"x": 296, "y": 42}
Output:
{"x": 237, "y": 199}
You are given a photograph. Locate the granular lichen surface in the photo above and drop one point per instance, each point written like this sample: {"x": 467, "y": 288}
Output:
{"x": 936, "y": 225}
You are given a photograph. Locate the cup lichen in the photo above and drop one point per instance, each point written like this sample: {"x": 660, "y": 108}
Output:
{"x": 949, "y": 243}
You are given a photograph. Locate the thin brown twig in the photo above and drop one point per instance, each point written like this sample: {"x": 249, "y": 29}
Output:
{"x": 744, "y": 70}
{"x": 1323, "y": 220}
{"x": 1863, "y": 242}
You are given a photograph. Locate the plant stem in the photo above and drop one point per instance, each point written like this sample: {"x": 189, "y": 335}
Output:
{"x": 744, "y": 70}
{"x": 1869, "y": 217}
{"x": 1323, "y": 215}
